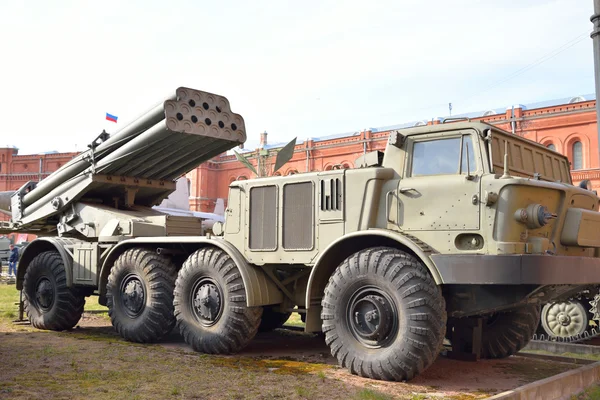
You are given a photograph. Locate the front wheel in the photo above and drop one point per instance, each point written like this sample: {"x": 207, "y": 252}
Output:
{"x": 48, "y": 302}
{"x": 210, "y": 304}
{"x": 383, "y": 315}
{"x": 140, "y": 295}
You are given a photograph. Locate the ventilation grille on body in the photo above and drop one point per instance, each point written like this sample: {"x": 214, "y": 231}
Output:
{"x": 331, "y": 194}
{"x": 263, "y": 218}
{"x": 298, "y": 221}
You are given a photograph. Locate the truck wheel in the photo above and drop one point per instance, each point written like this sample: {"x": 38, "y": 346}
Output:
{"x": 271, "y": 319}
{"x": 48, "y": 302}
{"x": 383, "y": 315}
{"x": 139, "y": 295}
{"x": 564, "y": 319}
{"x": 506, "y": 333}
{"x": 210, "y": 304}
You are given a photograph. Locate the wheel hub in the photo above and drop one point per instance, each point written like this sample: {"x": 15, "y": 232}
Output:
{"x": 372, "y": 316}
{"x": 44, "y": 293}
{"x": 563, "y": 319}
{"x": 134, "y": 295}
{"x": 207, "y": 302}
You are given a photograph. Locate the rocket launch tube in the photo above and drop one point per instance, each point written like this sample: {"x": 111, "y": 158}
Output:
{"x": 79, "y": 164}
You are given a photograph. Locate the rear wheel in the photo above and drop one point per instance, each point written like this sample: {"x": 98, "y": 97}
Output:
{"x": 383, "y": 315}
{"x": 48, "y": 302}
{"x": 564, "y": 319}
{"x": 210, "y": 304}
{"x": 506, "y": 333}
{"x": 140, "y": 295}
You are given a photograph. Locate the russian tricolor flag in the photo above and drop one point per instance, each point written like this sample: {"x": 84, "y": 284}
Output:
{"x": 110, "y": 117}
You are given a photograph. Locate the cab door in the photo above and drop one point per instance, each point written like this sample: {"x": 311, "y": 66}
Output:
{"x": 441, "y": 185}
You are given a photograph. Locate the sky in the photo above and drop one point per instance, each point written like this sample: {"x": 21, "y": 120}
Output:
{"x": 292, "y": 69}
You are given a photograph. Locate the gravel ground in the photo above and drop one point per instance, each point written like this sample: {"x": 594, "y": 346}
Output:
{"x": 91, "y": 362}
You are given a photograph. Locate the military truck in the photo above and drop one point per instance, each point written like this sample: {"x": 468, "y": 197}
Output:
{"x": 457, "y": 229}
{"x": 4, "y": 249}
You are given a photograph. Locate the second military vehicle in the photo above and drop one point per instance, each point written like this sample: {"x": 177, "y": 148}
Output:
{"x": 457, "y": 229}
{"x": 4, "y": 249}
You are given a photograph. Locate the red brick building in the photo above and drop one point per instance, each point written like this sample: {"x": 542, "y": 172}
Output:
{"x": 569, "y": 125}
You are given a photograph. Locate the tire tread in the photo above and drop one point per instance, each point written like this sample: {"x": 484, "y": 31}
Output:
{"x": 425, "y": 306}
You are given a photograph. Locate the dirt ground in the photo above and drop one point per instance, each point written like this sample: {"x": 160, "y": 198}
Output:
{"x": 280, "y": 364}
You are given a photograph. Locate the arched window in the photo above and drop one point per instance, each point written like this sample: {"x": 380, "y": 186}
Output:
{"x": 242, "y": 178}
{"x": 577, "y": 155}
{"x": 551, "y": 146}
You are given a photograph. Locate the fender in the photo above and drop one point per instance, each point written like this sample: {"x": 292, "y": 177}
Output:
{"x": 260, "y": 290}
{"x": 348, "y": 244}
{"x": 40, "y": 245}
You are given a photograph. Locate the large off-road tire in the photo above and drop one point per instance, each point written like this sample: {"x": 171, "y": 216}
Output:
{"x": 210, "y": 304}
{"x": 48, "y": 302}
{"x": 139, "y": 295}
{"x": 506, "y": 333}
{"x": 383, "y": 315}
{"x": 272, "y": 319}
{"x": 564, "y": 318}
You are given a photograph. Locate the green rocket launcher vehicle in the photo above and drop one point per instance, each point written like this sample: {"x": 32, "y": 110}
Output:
{"x": 458, "y": 230}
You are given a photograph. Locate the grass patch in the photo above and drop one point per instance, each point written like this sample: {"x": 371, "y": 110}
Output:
{"x": 593, "y": 357}
{"x": 368, "y": 394}
{"x": 56, "y": 366}
{"x": 591, "y": 393}
{"x": 9, "y": 302}
{"x": 295, "y": 320}
{"x": 530, "y": 370}
{"x": 279, "y": 367}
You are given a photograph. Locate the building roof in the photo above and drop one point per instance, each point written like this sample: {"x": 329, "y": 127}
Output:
{"x": 251, "y": 145}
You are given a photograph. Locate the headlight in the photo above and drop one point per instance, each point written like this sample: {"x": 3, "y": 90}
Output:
{"x": 534, "y": 216}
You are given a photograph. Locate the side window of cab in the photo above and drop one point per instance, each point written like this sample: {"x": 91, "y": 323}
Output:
{"x": 443, "y": 156}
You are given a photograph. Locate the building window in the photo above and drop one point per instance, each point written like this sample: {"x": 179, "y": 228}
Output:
{"x": 577, "y": 155}
{"x": 551, "y": 147}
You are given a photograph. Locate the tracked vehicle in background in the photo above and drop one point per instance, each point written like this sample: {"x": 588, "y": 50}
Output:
{"x": 459, "y": 230}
